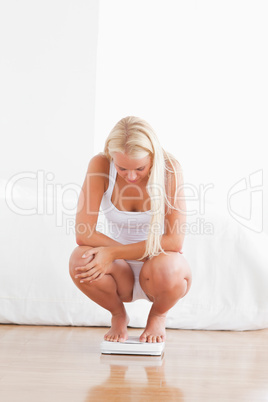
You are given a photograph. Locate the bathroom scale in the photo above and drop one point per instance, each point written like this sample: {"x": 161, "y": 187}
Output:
{"x": 132, "y": 346}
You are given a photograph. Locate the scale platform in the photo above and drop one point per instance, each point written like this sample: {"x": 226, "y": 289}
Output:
{"x": 132, "y": 346}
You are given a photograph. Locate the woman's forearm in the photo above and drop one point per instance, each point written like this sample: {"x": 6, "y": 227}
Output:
{"x": 124, "y": 251}
{"x": 136, "y": 250}
{"x": 97, "y": 239}
{"x": 128, "y": 251}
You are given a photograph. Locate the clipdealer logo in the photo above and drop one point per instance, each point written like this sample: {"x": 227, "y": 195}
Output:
{"x": 245, "y": 201}
{"x": 36, "y": 193}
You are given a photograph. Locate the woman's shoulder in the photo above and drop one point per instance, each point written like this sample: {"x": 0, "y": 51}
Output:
{"x": 100, "y": 163}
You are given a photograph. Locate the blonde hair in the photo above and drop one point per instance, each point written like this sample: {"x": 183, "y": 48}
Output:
{"x": 136, "y": 138}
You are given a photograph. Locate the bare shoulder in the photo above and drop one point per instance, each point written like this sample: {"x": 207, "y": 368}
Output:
{"x": 100, "y": 164}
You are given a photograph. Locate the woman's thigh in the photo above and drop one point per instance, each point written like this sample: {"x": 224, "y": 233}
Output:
{"x": 124, "y": 278}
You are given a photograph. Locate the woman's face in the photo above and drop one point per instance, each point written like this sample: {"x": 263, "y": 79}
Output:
{"x": 132, "y": 170}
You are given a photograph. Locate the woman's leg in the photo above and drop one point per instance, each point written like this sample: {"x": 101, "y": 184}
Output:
{"x": 109, "y": 292}
{"x": 165, "y": 279}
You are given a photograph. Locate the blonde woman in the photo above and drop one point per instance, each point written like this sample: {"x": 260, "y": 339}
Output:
{"x": 138, "y": 187}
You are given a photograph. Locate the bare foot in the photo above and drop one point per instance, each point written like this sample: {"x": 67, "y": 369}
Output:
{"x": 155, "y": 329}
{"x": 118, "y": 331}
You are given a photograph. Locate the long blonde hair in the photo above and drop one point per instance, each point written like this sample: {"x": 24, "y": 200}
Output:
{"x": 136, "y": 138}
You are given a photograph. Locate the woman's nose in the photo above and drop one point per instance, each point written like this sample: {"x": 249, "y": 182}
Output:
{"x": 132, "y": 175}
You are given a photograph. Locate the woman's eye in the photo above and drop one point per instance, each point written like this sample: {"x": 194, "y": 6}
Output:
{"x": 140, "y": 169}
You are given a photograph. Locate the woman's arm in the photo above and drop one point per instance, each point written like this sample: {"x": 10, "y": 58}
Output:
{"x": 175, "y": 218}
{"x": 89, "y": 204}
{"x": 97, "y": 239}
{"x": 136, "y": 250}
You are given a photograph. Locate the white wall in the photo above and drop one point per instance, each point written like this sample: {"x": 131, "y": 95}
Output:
{"x": 47, "y": 81}
{"x": 197, "y": 71}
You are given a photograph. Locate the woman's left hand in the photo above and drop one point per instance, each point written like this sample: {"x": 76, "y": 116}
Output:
{"x": 97, "y": 267}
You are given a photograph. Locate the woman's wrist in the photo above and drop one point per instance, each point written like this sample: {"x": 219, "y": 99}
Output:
{"x": 114, "y": 252}
{"x": 132, "y": 251}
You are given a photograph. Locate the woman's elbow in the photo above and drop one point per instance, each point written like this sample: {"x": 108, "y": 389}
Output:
{"x": 79, "y": 241}
{"x": 177, "y": 245}
{"x": 84, "y": 234}
{"x": 178, "y": 248}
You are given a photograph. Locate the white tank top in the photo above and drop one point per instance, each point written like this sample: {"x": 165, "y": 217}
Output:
{"x": 126, "y": 227}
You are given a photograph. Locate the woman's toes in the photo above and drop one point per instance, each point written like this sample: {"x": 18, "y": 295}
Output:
{"x": 143, "y": 338}
{"x": 149, "y": 338}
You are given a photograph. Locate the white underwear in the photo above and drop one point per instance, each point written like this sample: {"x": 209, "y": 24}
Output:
{"x": 138, "y": 293}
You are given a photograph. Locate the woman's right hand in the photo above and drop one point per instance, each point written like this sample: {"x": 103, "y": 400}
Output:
{"x": 87, "y": 261}
{"x": 95, "y": 270}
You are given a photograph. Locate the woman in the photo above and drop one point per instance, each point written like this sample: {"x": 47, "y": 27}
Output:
{"x": 138, "y": 186}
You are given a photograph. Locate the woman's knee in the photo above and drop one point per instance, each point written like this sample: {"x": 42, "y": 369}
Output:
{"x": 167, "y": 273}
{"x": 76, "y": 259}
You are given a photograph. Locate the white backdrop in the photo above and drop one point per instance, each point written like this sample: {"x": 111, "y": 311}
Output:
{"x": 197, "y": 72}
{"x": 47, "y": 106}
{"x": 47, "y": 81}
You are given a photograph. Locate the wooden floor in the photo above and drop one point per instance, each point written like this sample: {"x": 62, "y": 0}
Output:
{"x": 64, "y": 364}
